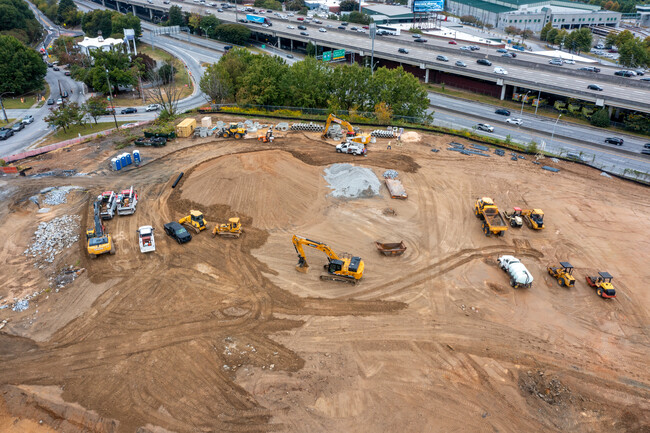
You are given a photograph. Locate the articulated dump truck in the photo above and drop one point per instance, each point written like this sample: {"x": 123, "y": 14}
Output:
{"x": 493, "y": 222}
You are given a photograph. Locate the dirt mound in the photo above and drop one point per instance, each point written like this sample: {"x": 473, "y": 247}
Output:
{"x": 272, "y": 187}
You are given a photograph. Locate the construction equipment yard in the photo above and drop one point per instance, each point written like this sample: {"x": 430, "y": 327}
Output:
{"x": 223, "y": 334}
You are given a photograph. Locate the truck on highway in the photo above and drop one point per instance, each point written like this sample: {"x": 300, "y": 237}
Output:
{"x": 258, "y": 19}
{"x": 519, "y": 275}
{"x": 493, "y": 222}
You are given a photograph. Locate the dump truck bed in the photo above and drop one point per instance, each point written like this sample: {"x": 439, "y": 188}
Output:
{"x": 391, "y": 248}
{"x": 396, "y": 189}
{"x": 495, "y": 221}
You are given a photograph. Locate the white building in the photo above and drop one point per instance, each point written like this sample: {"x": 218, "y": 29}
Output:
{"x": 107, "y": 44}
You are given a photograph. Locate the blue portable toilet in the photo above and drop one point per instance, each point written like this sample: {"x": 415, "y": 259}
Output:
{"x": 136, "y": 157}
{"x": 123, "y": 160}
{"x": 128, "y": 158}
{"x": 114, "y": 163}
{"x": 118, "y": 164}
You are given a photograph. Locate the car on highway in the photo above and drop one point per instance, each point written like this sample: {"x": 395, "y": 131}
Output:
{"x": 461, "y": 64}
{"x": 485, "y": 62}
{"x": 17, "y": 127}
{"x": 645, "y": 79}
{"x": 556, "y": 62}
{"x": 5, "y": 133}
{"x": 502, "y": 50}
{"x": 452, "y": 43}
{"x": 474, "y": 47}
{"x": 304, "y": 33}
{"x": 177, "y": 232}
{"x": 589, "y": 69}
{"x": 420, "y": 40}
{"x": 152, "y": 107}
{"x": 341, "y": 27}
{"x": 639, "y": 72}
{"x": 129, "y": 110}
{"x": 345, "y": 23}
{"x": 28, "y": 119}
{"x": 646, "y": 149}
{"x": 291, "y": 27}
{"x": 300, "y": 19}
{"x": 289, "y": 56}
{"x": 625, "y": 73}
{"x": 485, "y": 127}
{"x": 318, "y": 21}
{"x": 415, "y": 35}
{"x": 354, "y": 29}
{"x": 322, "y": 30}
{"x": 402, "y": 50}
{"x": 614, "y": 140}
{"x": 514, "y": 120}
{"x": 569, "y": 61}
{"x": 302, "y": 27}
{"x": 502, "y": 111}
{"x": 442, "y": 58}
{"x": 595, "y": 87}
{"x": 499, "y": 70}
{"x": 50, "y": 101}
{"x": 465, "y": 48}
{"x": 510, "y": 55}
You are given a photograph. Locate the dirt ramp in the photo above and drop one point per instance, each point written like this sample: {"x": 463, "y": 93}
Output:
{"x": 272, "y": 187}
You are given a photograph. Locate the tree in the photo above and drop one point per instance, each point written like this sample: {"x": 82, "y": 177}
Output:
{"x": 119, "y": 22}
{"x": 349, "y": 6}
{"x": 163, "y": 91}
{"x": 147, "y": 62}
{"x": 209, "y": 24}
{"x": 16, "y": 19}
{"x": 610, "y": 39}
{"x": 166, "y": 72}
{"x": 233, "y": 33}
{"x": 98, "y": 21}
{"x": 310, "y": 49}
{"x": 582, "y": 39}
{"x": 624, "y": 36}
{"x": 176, "y": 16}
{"x": 632, "y": 54}
{"x": 96, "y": 107}
{"x": 265, "y": 82}
{"x": 552, "y": 35}
{"x": 21, "y": 68}
{"x": 560, "y": 37}
{"x": 600, "y": 118}
{"x": 213, "y": 86}
{"x": 66, "y": 115}
{"x": 120, "y": 71}
{"x": 512, "y": 30}
{"x": 67, "y": 13}
{"x": 383, "y": 113}
{"x": 358, "y": 18}
{"x": 268, "y": 4}
{"x": 545, "y": 29}
{"x": 194, "y": 22}
{"x": 526, "y": 34}
{"x": 294, "y": 5}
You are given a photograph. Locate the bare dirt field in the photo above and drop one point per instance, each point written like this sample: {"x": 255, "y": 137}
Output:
{"x": 223, "y": 335}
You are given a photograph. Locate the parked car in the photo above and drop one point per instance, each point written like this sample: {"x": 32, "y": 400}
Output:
{"x": 461, "y": 64}
{"x": 485, "y": 127}
{"x": 17, "y": 127}
{"x": 499, "y": 70}
{"x": 614, "y": 140}
{"x": 442, "y": 58}
{"x": 28, "y": 119}
{"x": 5, "y": 133}
{"x": 129, "y": 110}
{"x": 595, "y": 87}
{"x": 502, "y": 111}
{"x": 178, "y": 232}
{"x": 485, "y": 62}
{"x": 50, "y": 101}
{"x": 152, "y": 107}
{"x": 421, "y": 40}
{"x": 514, "y": 120}
{"x": 402, "y": 50}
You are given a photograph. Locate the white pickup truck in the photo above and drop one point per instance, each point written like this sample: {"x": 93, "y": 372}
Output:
{"x": 519, "y": 275}
{"x": 146, "y": 240}
{"x": 351, "y": 147}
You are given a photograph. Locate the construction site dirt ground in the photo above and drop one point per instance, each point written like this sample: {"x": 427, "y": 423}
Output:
{"x": 224, "y": 335}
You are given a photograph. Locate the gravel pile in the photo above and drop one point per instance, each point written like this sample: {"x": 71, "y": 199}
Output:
{"x": 390, "y": 174}
{"x": 56, "y": 196}
{"x": 349, "y": 181}
{"x": 52, "y": 237}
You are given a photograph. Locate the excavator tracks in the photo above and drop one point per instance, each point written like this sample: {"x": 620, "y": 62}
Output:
{"x": 337, "y": 278}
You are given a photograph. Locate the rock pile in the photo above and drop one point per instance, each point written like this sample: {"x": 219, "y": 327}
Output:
{"x": 56, "y": 196}
{"x": 52, "y": 237}
{"x": 390, "y": 174}
{"x": 349, "y": 181}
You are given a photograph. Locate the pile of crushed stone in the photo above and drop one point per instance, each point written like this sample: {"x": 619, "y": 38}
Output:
{"x": 349, "y": 181}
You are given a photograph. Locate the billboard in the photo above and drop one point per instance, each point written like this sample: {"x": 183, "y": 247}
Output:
{"x": 423, "y": 6}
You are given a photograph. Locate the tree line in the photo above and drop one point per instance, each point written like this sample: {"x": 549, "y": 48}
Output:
{"x": 632, "y": 51}
{"x": 574, "y": 41}
{"x": 17, "y": 20}
{"x": 246, "y": 78}
{"x": 109, "y": 23}
{"x": 64, "y": 12}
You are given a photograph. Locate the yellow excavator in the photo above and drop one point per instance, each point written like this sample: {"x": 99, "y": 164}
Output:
{"x": 348, "y": 269}
{"x": 194, "y": 221}
{"x": 352, "y": 134}
{"x": 99, "y": 242}
{"x": 534, "y": 218}
{"x": 232, "y": 229}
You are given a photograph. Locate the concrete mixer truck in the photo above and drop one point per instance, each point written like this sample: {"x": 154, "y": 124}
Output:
{"x": 519, "y": 275}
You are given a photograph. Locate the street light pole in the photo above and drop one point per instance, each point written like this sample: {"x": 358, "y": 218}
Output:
{"x": 539, "y": 95}
{"x": 553, "y": 133}
{"x": 523, "y": 100}
{"x": 373, "y": 31}
{"x": 3, "y": 105}
{"x": 110, "y": 92}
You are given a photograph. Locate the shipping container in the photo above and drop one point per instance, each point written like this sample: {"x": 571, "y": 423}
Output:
{"x": 186, "y": 128}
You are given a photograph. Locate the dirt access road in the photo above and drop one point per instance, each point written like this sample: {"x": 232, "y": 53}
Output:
{"x": 224, "y": 335}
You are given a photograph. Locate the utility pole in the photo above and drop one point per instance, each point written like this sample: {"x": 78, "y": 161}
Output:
{"x": 372, "y": 31}
{"x": 539, "y": 95}
{"x": 3, "y": 105}
{"x": 523, "y": 100}
{"x": 110, "y": 92}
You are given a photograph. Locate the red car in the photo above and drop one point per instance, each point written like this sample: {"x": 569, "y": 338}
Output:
{"x": 366, "y": 27}
{"x": 452, "y": 42}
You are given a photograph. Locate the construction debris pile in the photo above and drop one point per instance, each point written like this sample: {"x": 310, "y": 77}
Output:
{"x": 56, "y": 196}
{"x": 349, "y": 181}
{"x": 390, "y": 174}
{"x": 52, "y": 237}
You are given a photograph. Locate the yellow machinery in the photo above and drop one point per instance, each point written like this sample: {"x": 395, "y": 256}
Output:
{"x": 194, "y": 220}
{"x": 232, "y": 229}
{"x": 268, "y": 137}
{"x": 493, "y": 222}
{"x": 99, "y": 242}
{"x": 534, "y": 218}
{"x": 351, "y": 134}
{"x": 563, "y": 274}
{"x": 603, "y": 285}
{"x": 348, "y": 269}
{"x": 233, "y": 130}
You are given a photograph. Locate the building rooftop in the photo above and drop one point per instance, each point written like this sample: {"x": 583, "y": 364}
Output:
{"x": 99, "y": 42}
{"x": 388, "y": 10}
{"x": 490, "y": 7}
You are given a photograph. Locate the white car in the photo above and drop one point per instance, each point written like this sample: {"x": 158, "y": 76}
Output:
{"x": 500, "y": 71}
{"x": 291, "y": 27}
{"x": 322, "y": 30}
{"x": 59, "y": 101}
{"x": 514, "y": 121}
{"x": 28, "y": 119}
{"x": 146, "y": 239}
{"x": 570, "y": 62}
{"x": 152, "y": 107}
{"x": 485, "y": 127}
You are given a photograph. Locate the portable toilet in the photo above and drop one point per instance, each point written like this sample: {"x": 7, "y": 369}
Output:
{"x": 123, "y": 160}
{"x": 136, "y": 157}
{"x": 128, "y": 158}
{"x": 118, "y": 164}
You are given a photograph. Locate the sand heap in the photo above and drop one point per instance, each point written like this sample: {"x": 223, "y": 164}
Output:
{"x": 348, "y": 181}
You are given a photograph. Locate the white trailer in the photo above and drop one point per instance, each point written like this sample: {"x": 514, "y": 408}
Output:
{"x": 519, "y": 275}
{"x": 127, "y": 201}
{"x": 146, "y": 239}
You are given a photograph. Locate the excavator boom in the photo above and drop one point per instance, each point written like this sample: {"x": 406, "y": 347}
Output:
{"x": 344, "y": 124}
{"x": 349, "y": 269}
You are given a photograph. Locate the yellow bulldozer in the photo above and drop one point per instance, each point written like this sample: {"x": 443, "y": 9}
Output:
{"x": 194, "y": 221}
{"x": 563, "y": 274}
{"x": 348, "y": 269}
{"x": 99, "y": 241}
{"x": 232, "y": 130}
{"x": 232, "y": 229}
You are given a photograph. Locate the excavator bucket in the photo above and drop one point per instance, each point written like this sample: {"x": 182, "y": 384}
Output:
{"x": 302, "y": 265}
